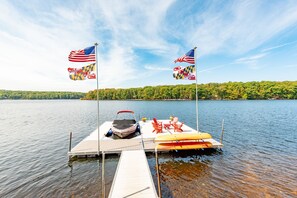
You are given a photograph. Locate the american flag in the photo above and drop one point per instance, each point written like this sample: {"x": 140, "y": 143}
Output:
{"x": 188, "y": 57}
{"x": 85, "y": 55}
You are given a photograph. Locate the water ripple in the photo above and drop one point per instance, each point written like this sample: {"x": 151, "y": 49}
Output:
{"x": 258, "y": 159}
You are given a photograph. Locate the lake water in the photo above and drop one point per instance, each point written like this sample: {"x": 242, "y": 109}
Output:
{"x": 259, "y": 158}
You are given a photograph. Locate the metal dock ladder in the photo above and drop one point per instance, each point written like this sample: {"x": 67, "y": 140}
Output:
{"x": 133, "y": 177}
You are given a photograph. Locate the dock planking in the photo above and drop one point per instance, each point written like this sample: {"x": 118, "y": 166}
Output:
{"x": 133, "y": 177}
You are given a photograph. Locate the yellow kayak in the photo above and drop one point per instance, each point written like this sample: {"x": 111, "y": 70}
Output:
{"x": 184, "y": 145}
{"x": 182, "y": 137}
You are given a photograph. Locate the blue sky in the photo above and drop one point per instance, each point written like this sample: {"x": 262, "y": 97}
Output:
{"x": 139, "y": 40}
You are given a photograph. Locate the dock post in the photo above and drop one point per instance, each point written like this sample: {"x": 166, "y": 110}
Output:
{"x": 158, "y": 175}
{"x": 103, "y": 180}
{"x": 222, "y": 134}
{"x": 70, "y": 140}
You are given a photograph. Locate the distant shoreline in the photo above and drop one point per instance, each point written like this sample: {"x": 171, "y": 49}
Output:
{"x": 146, "y": 100}
{"x": 39, "y": 95}
{"x": 264, "y": 90}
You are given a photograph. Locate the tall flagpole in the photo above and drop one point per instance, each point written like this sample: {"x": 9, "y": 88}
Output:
{"x": 97, "y": 77}
{"x": 197, "y": 123}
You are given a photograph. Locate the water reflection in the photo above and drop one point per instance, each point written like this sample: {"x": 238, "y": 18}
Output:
{"x": 182, "y": 172}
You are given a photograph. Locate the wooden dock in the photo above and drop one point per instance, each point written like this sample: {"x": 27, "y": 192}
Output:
{"x": 133, "y": 177}
{"x": 89, "y": 145}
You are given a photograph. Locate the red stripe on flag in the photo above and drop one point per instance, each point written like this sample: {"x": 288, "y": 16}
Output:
{"x": 80, "y": 56}
{"x": 185, "y": 58}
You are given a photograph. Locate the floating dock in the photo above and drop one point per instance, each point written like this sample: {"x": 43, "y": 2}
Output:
{"x": 133, "y": 177}
{"x": 108, "y": 145}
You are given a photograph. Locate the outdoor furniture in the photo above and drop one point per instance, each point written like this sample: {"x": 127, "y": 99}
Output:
{"x": 167, "y": 126}
{"x": 177, "y": 127}
{"x": 157, "y": 126}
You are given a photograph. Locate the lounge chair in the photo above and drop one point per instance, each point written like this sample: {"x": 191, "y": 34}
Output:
{"x": 167, "y": 126}
{"x": 158, "y": 128}
{"x": 177, "y": 127}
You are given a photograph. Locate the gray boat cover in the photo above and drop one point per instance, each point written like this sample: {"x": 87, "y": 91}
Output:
{"x": 123, "y": 128}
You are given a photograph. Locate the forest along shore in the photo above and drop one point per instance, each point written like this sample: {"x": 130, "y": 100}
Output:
{"x": 264, "y": 90}
{"x": 38, "y": 95}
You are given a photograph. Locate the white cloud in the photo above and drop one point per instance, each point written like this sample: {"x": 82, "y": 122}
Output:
{"x": 239, "y": 26}
{"x": 131, "y": 25}
{"x": 136, "y": 23}
{"x": 278, "y": 46}
{"x": 155, "y": 68}
{"x": 36, "y": 38}
{"x": 213, "y": 68}
{"x": 43, "y": 43}
{"x": 116, "y": 66}
{"x": 36, "y": 53}
{"x": 251, "y": 59}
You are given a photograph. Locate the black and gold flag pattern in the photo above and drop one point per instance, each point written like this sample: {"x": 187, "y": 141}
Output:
{"x": 83, "y": 73}
{"x": 184, "y": 73}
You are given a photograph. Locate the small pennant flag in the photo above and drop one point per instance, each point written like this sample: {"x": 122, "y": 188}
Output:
{"x": 184, "y": 73}
{"x": 83, "y": 73}
{"x": 85, "y": 55}
{"x": 188, "y": 57}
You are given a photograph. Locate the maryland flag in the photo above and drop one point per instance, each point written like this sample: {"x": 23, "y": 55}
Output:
{"x": 83, "y": 73}
{"x": 184, "y": 73}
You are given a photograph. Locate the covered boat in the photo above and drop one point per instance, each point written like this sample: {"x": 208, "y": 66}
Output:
{"x": 124, "y": 127}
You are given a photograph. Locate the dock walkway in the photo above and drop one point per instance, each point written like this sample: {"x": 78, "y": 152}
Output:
{"x": 133, "y": 177}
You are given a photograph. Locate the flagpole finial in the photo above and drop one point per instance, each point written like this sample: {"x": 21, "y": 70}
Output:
{"x": 96, "y": 44}
{"x": 195, "y": 48}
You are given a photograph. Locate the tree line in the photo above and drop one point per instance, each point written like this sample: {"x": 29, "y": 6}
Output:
{"x": 211, "y": 91}
{"x": 38, "y": 95}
